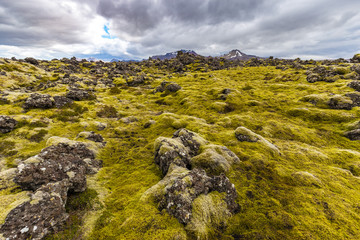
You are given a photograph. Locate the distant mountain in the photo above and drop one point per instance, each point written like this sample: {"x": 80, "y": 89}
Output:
{"x": 237, "y": 54}
{"x": 172, "y": 54}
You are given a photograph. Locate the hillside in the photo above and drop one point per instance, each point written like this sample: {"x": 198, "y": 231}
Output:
{"x": 188, "y": 148}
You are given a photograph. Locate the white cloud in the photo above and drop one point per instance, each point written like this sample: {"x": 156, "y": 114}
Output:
{"x": 138, "y": 29}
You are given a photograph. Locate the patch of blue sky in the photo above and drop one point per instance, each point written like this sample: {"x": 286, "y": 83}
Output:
{"x": 107, "y": 35}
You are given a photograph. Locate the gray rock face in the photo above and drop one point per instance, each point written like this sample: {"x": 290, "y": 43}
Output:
{"x": 55, "y": 163}
{"x": 37, "y": 100}
{"x": 79, "y": 95}
{"x": 7, "y": 124}
{"x": 44, "y": 213}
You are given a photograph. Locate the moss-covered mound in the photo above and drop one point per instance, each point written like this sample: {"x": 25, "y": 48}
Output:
{"x": 284, "y": 132}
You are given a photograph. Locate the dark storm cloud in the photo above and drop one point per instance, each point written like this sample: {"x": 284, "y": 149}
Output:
{"x": 328, "y": 28}
{"x": 135, "y": 17}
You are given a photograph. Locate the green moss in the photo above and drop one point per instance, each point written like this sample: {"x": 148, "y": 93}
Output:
{"x": 210, "y": 216}
{"x": 310, "y": 191}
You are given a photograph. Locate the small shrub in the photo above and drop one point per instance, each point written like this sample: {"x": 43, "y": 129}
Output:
{"x": 107, "y": 111}
{"x": 114, "y": 91}
{"x": 38, "y": 137}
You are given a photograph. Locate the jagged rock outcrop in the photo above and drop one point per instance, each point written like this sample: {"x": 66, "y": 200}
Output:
{"x": 355, "y": 58}
{"x": 321, "y": 73}
{"x": 37, "y": 100}
{"x": 31, "y": 61}
{"x": 192, "y": 169}
{"x": 340, "y": 102}
{"x": 7, "y": 124}
{"x": 79, "y": 95}
{"x": 177, "y": 150}
{"x": 353, "y": 134}
{"x": 55, "y": 163}
{"x": 44, "y": 213}
{"x": 61, "y": 101}
{"x": 180, "y": 195}
{"x": 55, "y": 172}
{"x": 354, "y": 85}
{"x": 168, "y": 86}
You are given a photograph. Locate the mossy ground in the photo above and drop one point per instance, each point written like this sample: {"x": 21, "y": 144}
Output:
{"x": 311, "y": 190}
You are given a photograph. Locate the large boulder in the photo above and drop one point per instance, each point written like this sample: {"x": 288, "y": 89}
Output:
{"x": 355, "y": 85}
{"x": 353, "y": 134}
{"x": 79, "y": 95}
{"x": 356, "y": 58}
{"x": 55, "y": 163}
{"x": 195, "y": 189}
{"x": 177, "y": 150}
{"x": 340, "y": 102}
{"x": 168, "y": 86}
{"x": 170, "y": 151}
{"x": 43, "y": 214}
{"x": 7, "y": 124}
{"x": 61, "y": 101}
{"x": 37, "y": 100}
{"x": 31, "y": 61}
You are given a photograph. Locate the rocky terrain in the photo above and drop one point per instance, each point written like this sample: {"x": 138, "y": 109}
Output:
{"x": 189, "y": 147}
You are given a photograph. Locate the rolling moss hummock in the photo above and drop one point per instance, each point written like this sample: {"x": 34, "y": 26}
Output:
{"x": 302, "y": 183}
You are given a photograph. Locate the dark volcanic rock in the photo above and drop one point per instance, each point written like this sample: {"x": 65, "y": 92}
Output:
{"x": 173, "y": 156}
{"x": 355, "y": 85}
{"x": 311, "y": 78}
{"x": 188, "y": 140}
{"x": 179, "y": 196}
{"x": 55, "y": 163}
{"x": 171, "y": 151}
{"x": 7, "y": 124}
{"x": 79, "y": 95}
{"x": 45, "y": 213}
{"x": 138, "y": 80}
{"x": 355, "y": 98}
{"x": 169, "y": 86}
{"x": 222, "y": 184}
{"x": 61, "y": 101}
{"x": 95, "y": 137}
{"x": 340, "y": 103}
{"x": 353, "y": 134}
{"x": 355, "y": 68}
{"x": 31, "y": 60}
{"x": 37, "y": 100}
{"x": 173, "y": 87}
{"x": 356, "y": 58}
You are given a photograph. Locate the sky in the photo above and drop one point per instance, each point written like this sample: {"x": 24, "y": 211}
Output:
{"x": 137, "y": 29}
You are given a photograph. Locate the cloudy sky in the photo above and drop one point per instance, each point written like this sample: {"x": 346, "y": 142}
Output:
{"x": 137, "y": 29}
